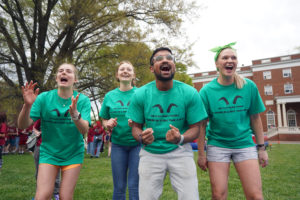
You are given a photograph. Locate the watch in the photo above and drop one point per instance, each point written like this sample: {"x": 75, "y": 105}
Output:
{"x": 77, "y": 117}
{"x": 261, "y": 146}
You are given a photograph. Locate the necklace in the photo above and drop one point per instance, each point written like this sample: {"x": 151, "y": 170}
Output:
{"x": 64, "y": 102}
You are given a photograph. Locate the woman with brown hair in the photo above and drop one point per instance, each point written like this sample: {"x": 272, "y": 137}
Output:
{"x": 125, "y": 149}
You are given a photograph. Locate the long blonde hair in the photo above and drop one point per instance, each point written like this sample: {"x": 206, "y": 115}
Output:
{"x": 239, "y": 81}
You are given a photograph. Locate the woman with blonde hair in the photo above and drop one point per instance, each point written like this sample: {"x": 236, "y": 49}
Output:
{"x": 65, "y": 118}
{"x": 233, "y": 105}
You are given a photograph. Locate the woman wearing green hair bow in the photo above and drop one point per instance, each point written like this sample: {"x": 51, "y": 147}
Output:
{"x": 233, "y": 105}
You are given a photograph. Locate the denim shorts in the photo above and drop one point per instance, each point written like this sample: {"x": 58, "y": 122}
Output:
{"x": 219, "y": 154}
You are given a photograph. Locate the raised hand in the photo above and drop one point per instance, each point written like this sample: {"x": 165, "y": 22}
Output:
{"x": 73, "y": 107}
{"x": 173, "y": 135}
{"x": 29, "y": 93}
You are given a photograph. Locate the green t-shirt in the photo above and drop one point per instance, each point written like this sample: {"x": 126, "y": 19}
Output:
{"x": 62, "y": 143}
{"x": 180, "y": 106}
{"x": 115, "y": 105}
{"x": 229, "y": 110}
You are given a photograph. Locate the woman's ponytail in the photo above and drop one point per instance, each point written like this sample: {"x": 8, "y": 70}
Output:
{"x": 239, "y": 81}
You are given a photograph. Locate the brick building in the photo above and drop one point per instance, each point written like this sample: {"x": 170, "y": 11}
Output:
{"x": 278, "y": 82}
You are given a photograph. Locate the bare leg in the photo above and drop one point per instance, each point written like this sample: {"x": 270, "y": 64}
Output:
{"x": 45, "y": 181}
{"x": 218, "y": 174}
{"x": 249, "y": 173}
{"x": 68, "y": 183}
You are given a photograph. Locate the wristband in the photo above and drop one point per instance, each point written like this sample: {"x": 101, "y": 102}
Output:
{"x": 181, "y": 140}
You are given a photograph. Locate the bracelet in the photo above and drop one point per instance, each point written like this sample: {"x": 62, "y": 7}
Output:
{"x": 181, "y": 140}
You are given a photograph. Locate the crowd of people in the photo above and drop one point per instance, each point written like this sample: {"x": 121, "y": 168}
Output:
{"x": 148, "y": 130}
{"x": 96, "y": 138}
{"x": 12, "y": 139}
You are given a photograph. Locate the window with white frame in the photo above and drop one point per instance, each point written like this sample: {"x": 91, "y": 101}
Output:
{"x": 270, "y": 119}
{"x": 286, "y": 73}
{"x": 285, "y": 58}
{"x": 268, "y": 60}
{"x": 267, "y": 75}
{"x": 291, "y": 118}
{"x": 268, "y": 90}
{"x": 288, "y": 88}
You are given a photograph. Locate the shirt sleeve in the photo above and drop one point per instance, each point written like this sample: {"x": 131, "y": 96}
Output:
{"x": 204, "y": 99}
{"x": 85, "y": 110}
{"x": 257, "y": 105}
{"x": 135, "y": 111}
{"x": 196, "y": 110}
{"x": 104, "y": 112}
{"x": 36, "y": 109}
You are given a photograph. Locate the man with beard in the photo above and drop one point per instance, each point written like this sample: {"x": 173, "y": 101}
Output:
{"x": 166, "y": 115}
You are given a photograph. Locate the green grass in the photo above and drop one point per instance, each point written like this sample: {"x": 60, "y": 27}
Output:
{"x": 281, "y": 179}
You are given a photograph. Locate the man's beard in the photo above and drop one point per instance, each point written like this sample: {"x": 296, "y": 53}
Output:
{"x": 164, "y": 79}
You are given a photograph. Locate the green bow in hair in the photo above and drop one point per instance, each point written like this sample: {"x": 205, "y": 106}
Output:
{"x": 218, "y": 49}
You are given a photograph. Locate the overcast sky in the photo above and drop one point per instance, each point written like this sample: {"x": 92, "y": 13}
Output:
{"x": 261, "y": 28}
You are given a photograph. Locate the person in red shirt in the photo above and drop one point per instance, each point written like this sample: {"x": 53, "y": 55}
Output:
{"x": 3, "y": 135}
{"x": 23, "y": 138}
{"x": 90, "y": 140}
{"x": 98, "y": 139}
{"x": 12, "y": 133}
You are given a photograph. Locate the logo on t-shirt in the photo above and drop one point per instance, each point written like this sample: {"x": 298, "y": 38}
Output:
{"x": 58, "y": 113}
{"x": 230, "y": 108}
{"x": 122, "y": 104}
{"x": 57, "y": 117}
{"x": 169, "y": 114}
{"x": 119, "y": 108}
{"x": 234, "y": 100}
{"x": 161, "y": 109}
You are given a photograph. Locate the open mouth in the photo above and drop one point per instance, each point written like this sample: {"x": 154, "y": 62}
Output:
{"x": 165, "y": 67}
{"x": 229, "y": 68}
{"x": 63, "y": 80}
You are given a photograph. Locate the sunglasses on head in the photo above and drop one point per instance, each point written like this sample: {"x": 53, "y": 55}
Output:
{"x": 160, "y": 58}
